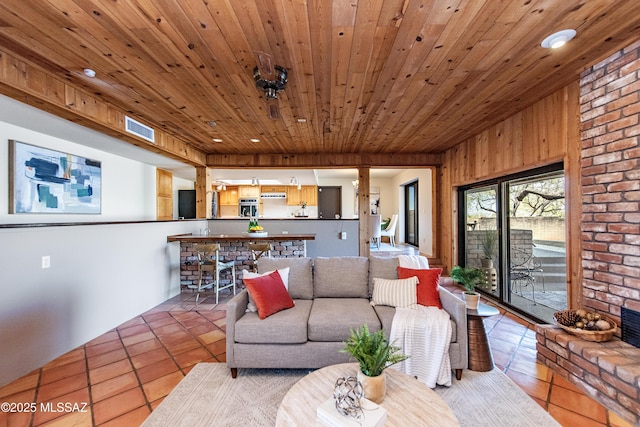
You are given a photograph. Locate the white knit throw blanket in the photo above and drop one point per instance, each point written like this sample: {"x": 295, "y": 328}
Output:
{"x": 423, "y": 333}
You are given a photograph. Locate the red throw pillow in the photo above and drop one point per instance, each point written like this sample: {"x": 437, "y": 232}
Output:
{"x": 269, "y": 294}
{"x": 427, "y": 284}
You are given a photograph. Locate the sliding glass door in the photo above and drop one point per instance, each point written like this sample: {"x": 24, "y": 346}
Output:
{"x": 515, "y": 231}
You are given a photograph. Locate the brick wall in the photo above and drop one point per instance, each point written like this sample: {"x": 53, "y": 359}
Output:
{"x": 235, "y": 250}
{"x": 610, "y": 120}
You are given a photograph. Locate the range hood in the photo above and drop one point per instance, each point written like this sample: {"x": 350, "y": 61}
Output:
{"x": 281, "y": 195}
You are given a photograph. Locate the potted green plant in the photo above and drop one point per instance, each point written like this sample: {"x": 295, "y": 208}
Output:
{"x": 374, "y": 353}
{"x": 469, "y": 277}
{"x": 489, "y": 243}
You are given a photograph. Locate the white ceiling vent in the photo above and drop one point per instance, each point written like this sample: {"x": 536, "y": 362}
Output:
{"x": 138, "y": 129}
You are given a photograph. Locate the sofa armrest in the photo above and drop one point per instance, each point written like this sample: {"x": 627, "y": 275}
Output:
{"x": 236, "y": 308}
{"x": 458, "y": 312}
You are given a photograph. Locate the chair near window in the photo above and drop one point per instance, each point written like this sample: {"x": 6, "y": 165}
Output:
{"x": 524, "y": 268}
{"x": 390, "y": 230}
{"x": 209, "y": 262}
{"x": 258, "y": 250}
{"x": 375, "y": 231}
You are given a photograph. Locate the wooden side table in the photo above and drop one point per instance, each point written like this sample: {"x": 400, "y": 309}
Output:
{"x": 480, "y": 357}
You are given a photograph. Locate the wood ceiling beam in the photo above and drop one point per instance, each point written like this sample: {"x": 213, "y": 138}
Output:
{"x": 322, "y": 160}
{"x": 28, "y": 83}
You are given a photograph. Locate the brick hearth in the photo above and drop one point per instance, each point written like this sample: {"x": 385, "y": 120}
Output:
{"x": 607, "y": 371}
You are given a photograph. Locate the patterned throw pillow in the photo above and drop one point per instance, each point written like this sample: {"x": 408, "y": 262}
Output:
{"x": 269, "y": 294}
{"x": 396, "y": 293}
{"x": 428, "y": 280}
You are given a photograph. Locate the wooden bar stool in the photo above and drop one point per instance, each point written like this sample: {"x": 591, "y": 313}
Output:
{"x": 258, "y": 250}
{"x": 209, "y": 261}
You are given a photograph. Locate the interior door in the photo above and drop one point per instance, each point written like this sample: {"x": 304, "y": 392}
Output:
{"x": 329, "y": 202}
{"x": 411, "y": 214}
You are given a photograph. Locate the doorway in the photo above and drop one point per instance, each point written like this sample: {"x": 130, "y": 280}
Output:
{"x": 330, "y": 202}
{"x": 514, "y": 228}
{"x": 411, "y": 219}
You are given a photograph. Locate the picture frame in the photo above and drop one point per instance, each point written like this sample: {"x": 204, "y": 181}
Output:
{"x": 42, "y": 180}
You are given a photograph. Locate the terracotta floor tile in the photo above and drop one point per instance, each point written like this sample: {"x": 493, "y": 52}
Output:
{"x": 28, "y": 382}
{"x": 168, "y": 330}
{"x": 531, "y": 385}
{"x": 133, "y": 322}
{"x": 162, "y": 386}
{"x": 133, "y": 418}
{"x": 109, "y": 336}
{"x": 212, "y": 336}
{"x": 578, "y": 403}
{"x": 157, "y": 370}
{"x": 134, "y": 339}
{"x": 560, "y": 381}
{"x": 149, "y": 358}
{"x": 190, "y": 358}
{"x": 109, "y": 371}
{"x": 133, "y": 330}
{"x": 18, "y": 419}
{"x": 71, "y": 357}
{"x": 63, "y": 371}
{"x": 113, "y": 386}
{"x": 106, "y": 347}
{"x": 154, "y": 317}
{"x": 61, "y": 387}
{"x": 106, "y": 358}
{"x": 163, "y": 321}
{"x": 78, "y": 397}
{"x": 203, "y": 327}
{"x": 218, "y": 347}
{"x": 143, "y": 347}
{"x": 118, "y": 405}
{"x": 616, "y": 421}
{"x": 214, "y": 315}
{"x": 569, "y": 418}
{"x": 532, "y": 369}
{"x": 71, "y": 419}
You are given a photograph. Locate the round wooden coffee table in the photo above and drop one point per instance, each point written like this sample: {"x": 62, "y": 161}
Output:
{"x": 408, "y": 401}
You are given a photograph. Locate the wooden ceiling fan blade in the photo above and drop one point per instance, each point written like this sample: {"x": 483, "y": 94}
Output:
{"x": 273, "y": 110}
{"x": 265, "y": 65}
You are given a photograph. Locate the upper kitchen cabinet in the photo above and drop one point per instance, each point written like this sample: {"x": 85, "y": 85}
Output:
{"x": 228, "y": 197}
{"x": 248, "y": 191}
{"x": 273, "y": 189}
{"x": 306, "y": 193}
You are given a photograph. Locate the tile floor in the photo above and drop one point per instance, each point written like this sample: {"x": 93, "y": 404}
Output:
{"x": 124, "y": 374}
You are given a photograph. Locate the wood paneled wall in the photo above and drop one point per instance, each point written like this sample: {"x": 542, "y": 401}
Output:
{"x": 545, "y": 133}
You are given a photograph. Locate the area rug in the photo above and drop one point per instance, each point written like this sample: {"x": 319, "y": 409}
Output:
{"x": 208, "y": 396}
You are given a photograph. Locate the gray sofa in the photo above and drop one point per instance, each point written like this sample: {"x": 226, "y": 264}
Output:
{"x": 331, "y": 297}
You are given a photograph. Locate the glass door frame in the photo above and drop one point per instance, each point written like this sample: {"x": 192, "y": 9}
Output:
{"x": 502, "y": 222}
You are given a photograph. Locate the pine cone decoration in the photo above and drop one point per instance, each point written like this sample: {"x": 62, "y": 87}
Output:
{"x": 567, "y": 317}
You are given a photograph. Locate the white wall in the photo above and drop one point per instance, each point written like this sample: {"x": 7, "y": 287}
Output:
{"x": 100, "y": 275}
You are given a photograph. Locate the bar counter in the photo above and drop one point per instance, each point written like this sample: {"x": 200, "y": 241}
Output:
{"x": 244, "y": 237}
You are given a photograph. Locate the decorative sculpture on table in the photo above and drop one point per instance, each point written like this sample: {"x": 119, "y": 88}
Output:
{"x": 347, "y": 392}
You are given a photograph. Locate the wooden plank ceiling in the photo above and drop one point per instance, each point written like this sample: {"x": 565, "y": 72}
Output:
{"x": 376, "y": 77}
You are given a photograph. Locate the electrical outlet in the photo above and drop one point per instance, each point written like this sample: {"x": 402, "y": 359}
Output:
{"x": 343, "y": 235}
{"x": 46, "y": 261}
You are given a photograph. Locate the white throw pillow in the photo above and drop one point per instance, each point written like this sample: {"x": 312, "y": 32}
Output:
{"x": 396, "y": 293}
{"x": 284, "y": 274}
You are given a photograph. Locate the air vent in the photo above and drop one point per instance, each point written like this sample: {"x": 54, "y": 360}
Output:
{"x": 138, "y": 129}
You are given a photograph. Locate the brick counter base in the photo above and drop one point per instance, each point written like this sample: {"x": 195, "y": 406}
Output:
{"x": 235, "y": 250}
{"x": 607, "y": 371}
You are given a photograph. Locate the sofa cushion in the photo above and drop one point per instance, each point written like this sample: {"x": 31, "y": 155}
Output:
{"x": 395, "y": 292}
{"x": 341, "y": 277}
{"x": 269, "y": 294}
{"x": 300, "y": 274}
{"x": 384, "y": 268}
{"x": 428, "y": 279}
{"x": 385, "y": 314}
{"x": 285, "y": 327}
{"x": 332, "y": 319}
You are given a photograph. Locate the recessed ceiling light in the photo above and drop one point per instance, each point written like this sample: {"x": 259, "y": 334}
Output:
{"x": 89, "y": 72}
{"x": 212, "y": 123}
{"x": 558, "y": 39}
{"x": 217, "y": 140}
{"x": 254, "y": 140}
{"x": 302, "y": 120}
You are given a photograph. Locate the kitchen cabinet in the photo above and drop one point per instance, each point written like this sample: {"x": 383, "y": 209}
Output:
{"x": 228, "y": 197}
{"x": 307, "y": 193}
{"x": 273, "y": 189}
{"x": 248, "y": 191}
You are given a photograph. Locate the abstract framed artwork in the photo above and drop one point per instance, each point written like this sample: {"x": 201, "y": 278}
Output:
{"x": 48, "y": 181}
